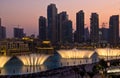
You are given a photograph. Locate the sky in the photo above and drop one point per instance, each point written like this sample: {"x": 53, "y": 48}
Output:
{"x": 25, "y": 13}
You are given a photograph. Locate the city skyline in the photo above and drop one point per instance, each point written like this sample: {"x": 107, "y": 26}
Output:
{"x": 26, "y": 12}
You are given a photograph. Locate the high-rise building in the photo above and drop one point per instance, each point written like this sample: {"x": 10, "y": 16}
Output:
{"x": 0, "y": 22}
{"x": 42, "y": 28}
{"x": 61, "y": 18}
{"x": 104, "y": 35}
{"x": 94, "y": 28}
{"x": 2, "y": 31}
{"x": 75, "y": 36}
{"x": 80, "y": 26}
{"x": 18, "y": 33}
{"x": 51, "y": 16}
{"x": 114, "y": 29}
{"x": 67, "y": 36}
{"x": 86, "y": 34}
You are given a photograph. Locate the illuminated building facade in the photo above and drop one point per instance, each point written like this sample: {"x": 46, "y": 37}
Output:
{"x": 12, "y": 48}
{"x": 45, "y": 48}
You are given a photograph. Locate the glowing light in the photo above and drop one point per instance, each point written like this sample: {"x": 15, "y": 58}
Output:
{"x": 74, "y": 53}
{"x": 45, "y": 48}
{"x": 33, "y": 59}
{"x": 46, "y": 42}
{"x": 25, "y": 38}
{"x": 4, "y": 60}
{"x": 108, "y": 52}
{"x": 117, "y": 70}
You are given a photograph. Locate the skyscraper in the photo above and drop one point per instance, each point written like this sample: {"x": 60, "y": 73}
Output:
{"x": 114, "y": 29}
{"x": 80, "y": 26}
{"x": 61, "y": 18}
{"x": 94, "y": 27}
{"x": 51, "y": 16}
{"x": 67, "y": 32}
{"x": 86, "y": 34}
{"x": 0, "y": 22}
{"x": 104, "y": 34}
{"x": 18, "y": 33}
{"x": 2, "y": 31}
{"x": 42, "y": 28}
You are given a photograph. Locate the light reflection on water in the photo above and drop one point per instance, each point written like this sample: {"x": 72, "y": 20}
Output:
{"x": 22, "y": 70}
{"x": 15, "y": 66}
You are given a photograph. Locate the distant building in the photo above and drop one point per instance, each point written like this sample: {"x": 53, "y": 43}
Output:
{"x": 0, "y": 22}
{"x": 67, "y": 32}
{"x": 104, "y": 34}
{"x": 114, "y": 29}
{"x": 75, "y": 36}
{"x": 42, "y": 28}
{"x": 51, "y": 16}
{"x": 13, "y": 47}
{"x": 94, "y": 28}
{"x": 61, "y": 18}
{"x": 86, "y": 34}
{"x": 45, "y": 48}
{"x": 18, "y": 33}
{"x": 2, "y": 31}
{"x": 80, "y": 26}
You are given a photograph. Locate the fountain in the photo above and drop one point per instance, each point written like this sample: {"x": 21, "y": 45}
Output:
{"x": 108, "y": 53}
{"x": 74, "y": 53}
{"x": 77, "y": 57}
{"x": 4, "y": 60}
{"x": 33, "y": 59}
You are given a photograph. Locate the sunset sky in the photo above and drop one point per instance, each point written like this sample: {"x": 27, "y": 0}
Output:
{"x": 26, "y": 12}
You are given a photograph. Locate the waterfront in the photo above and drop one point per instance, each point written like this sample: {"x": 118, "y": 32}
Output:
{"x": 15, "y": 66}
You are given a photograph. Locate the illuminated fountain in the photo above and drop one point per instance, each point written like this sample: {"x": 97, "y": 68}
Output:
{"x": 77, "y": 57}
{"x": 108, "y": 54}
{"x": 74, "y": 53}
{"x": 4, "y": 60}
{"x": 33, "y": 59}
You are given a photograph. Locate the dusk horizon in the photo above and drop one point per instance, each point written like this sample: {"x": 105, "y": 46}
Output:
{"x": 59, "y": 38}
{"x": 26, "y": 13}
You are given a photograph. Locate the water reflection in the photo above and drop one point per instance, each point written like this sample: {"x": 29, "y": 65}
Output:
{"x": 22, "y": 70}
{"x": 15, "y": 66}
{"x": 33, "y": 59}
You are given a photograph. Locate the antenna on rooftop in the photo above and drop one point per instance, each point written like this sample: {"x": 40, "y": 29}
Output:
{"x": 103, "y": 25}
